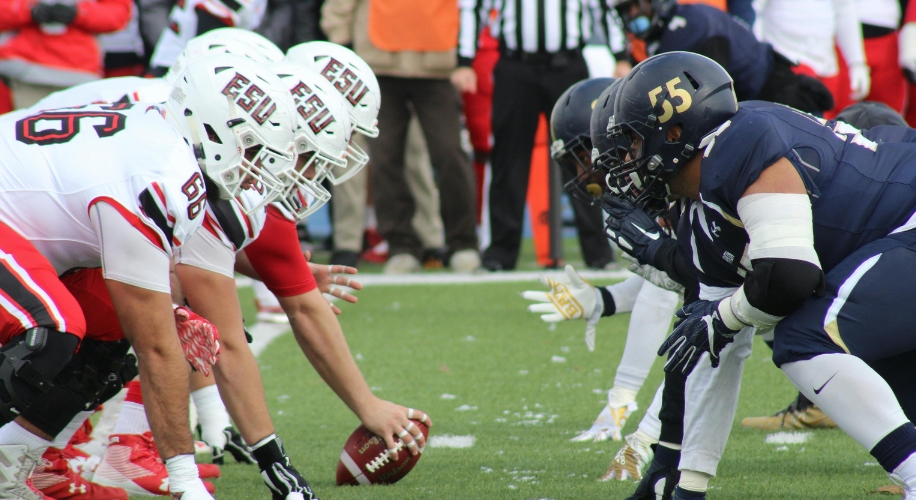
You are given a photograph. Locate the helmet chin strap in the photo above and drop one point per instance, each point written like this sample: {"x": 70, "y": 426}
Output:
{"x": 196, "y": 143}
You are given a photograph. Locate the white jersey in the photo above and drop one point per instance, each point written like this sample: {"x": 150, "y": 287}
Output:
{"x": 807, "y": 31}
{"x": 108, "y": 90}
{"x": 227, "y": 229}
{"x": 55, "y": 166}
{"x": 226, "y": 219}
{"x": 245, "y": 14}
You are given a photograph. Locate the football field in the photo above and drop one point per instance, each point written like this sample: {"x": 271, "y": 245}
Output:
{"x": 506, "y": 392}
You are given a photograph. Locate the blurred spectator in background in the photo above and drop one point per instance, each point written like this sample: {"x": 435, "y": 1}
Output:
{"x": 291, "y": 22}
{"x": 759, "y": 71}
{"x": 190, "y": 18}
{"x": 411, "y": 48}
{"x": 52, "y": 45}
{"x": 808, "y": 32}
{"x": 908, "y": 58}
{"x": 354, "y": 221}
{"x": 880, "y": 19}
{"x": 154, "y": 17}
{"x": 123, "y": 50}
{"x": 540, "y": 57}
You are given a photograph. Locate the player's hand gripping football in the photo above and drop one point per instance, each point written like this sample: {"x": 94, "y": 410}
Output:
{"x": 699, "y": 329}
{"x": 393, "y": 423}
{"x": 634, "y": 231}
{"x": 568, "y": 298}
{"x": 328, "y": 276}
{"x": 199, "y": 339}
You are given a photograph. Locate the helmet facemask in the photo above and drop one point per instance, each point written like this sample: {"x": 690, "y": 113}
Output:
{"x": 356, "y": 160}
{"x": 260, "y": 163}
{"x": 304, "y": 194}
{"x": 635, "y": 174}
{"x": 585, "y": 180}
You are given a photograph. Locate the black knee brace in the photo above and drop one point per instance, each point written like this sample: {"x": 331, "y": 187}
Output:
{"x": 99, "y": 370}
{"x": 94, "y": 375}
{"x": 28, "y": 365}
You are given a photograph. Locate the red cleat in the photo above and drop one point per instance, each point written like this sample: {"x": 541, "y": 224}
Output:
{"x": 55, "y": 479}
{"x": 132, "y": 462}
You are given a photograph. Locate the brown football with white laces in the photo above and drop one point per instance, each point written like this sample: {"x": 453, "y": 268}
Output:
{"x": 365, "y": 459}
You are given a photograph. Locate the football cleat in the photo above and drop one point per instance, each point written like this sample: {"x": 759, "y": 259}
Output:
{"x": 283, "y": 480}
{"x": 908, "y": 489}
{"x": 16, "y": 465}
{"x": 608, "y": 425}
{"x": 799, "y": 415}
{"x": 81, "y": 462}
{"x": 658, "y": 483}
{"x": 56, "y": 479}
{"x": 236, "y": 447}
{"x": 682, "y": 494}
{"x": 132, "y": 462}
{"x": 630, "y": 461}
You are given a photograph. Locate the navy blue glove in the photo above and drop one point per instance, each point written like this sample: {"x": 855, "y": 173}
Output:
{"x": 699, "y": 329}
{"x": 634, "y": 231}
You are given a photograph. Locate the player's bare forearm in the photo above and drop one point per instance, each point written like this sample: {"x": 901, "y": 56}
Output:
{"x": 214, "y": 297}
{"x": 149, "y": 324}
{"x": 322, "y": 340}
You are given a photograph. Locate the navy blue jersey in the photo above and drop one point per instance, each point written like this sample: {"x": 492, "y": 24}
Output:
{"x": 860, "y": 191}
{"x": 694, "y": 26}
{"x": 890, "y": 133}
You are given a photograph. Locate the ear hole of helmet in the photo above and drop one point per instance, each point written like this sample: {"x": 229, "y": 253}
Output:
{"x": 211, "y": 134}
{"x": 674, "y": 133}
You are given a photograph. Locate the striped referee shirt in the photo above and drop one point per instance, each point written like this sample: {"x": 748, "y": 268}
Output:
{"x": 534, "y": 26}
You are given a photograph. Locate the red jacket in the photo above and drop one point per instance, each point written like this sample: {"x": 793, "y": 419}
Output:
{"x": 70, "y": 58}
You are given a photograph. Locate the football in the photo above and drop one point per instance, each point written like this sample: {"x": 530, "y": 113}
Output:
{"x": 365, "y": 460}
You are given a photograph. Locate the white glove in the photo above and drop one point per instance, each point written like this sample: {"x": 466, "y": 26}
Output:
{"x": 908, "y": 47}
{"x": 569, "y": 298}
{"x": 656, "y": 277}
{"x": 859, "y": 81}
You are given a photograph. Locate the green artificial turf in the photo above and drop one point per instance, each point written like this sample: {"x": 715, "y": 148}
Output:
{"x": 501, "y": 364}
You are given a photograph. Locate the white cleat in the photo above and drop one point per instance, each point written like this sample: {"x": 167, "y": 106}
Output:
{"x": 909, "y": 489}
{"x": 16, "y": 466}
{"x": 608, "y": 425}
{"x": 196, "y": 492}
{"x": 630, "y": 461}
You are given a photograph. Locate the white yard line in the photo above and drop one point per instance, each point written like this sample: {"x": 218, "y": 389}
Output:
{"x": 265, "y": 333}
{"x": 454, "y": 279}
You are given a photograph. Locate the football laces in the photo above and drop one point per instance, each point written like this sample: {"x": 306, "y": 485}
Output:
{"x": 383, "y": 458}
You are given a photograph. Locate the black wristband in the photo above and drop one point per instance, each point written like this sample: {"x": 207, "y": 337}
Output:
{"x": 610, "y": 307}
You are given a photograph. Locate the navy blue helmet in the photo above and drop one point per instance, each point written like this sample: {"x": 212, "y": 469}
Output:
{"x": 571, "y": 144}
{"x": 665, "y": 108}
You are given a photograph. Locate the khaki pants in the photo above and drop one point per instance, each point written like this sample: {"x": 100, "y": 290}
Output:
{"x": 437, "y": 106}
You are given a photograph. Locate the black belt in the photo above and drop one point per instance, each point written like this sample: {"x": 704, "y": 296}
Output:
{"x": 559, "y": 58}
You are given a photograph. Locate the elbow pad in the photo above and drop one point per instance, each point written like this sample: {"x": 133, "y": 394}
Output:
{"x": 772, "y": 291}
{"x": 780, "y": 286}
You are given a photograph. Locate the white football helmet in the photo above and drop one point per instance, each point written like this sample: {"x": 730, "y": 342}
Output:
{"x": 356, "y": 82}
{"x": 321, "y": 141}
{"x": 267, "y": 48}
{"x": 224, "y": 41}
{"x": 240, "y": 119}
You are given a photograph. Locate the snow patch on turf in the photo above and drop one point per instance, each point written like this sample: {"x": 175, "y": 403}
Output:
{"x": 788, "y": 438}
{"x": 465, "y": 407}
{"x": 558, "y": 359}
{"x": 448, "y": 396}
{"x": 450, "y": 441}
